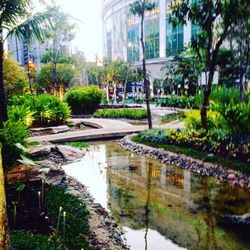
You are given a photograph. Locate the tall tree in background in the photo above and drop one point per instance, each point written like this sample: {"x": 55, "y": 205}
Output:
{"x": 140, "y": 7}
{"x": 217, "y": 20}
{"x": 58, "y": 38}
{"x": 15, "y": 18}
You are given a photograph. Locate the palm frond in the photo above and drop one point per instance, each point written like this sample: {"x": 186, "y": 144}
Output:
{"x": 12, "y": 10}
{"x": 35, "y": 27}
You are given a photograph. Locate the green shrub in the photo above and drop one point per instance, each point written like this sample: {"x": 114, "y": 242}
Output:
{"x": 10, "y": 135}
{"x": 180, "y": 102}
{"x": 21, "y": 240}
{"x": 121, "y": 113}
{"x": 76, "y": 227}
{"x": 41, "y": 110}
{"x": 235, "y": 117}
{"x": 193, "y": 119}
{"x": 84, "y": 100}
{"x": 21, "y": 113}
{"x": 225, "y": 95}
{"x": 217, "y": 141}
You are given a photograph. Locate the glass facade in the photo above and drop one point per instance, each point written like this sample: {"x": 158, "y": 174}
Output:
{"x": 152, "y": 33}
{"x": 174, "y": 39}
{"x": 133, "y": 44}
{"x": 152, "y": 39}
{"x": 109, "y": 45}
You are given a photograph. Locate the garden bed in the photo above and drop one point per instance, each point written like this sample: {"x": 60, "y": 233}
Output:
{"x": 157, "y": 151}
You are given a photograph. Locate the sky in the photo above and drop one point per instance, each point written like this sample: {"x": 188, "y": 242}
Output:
{"x": 89, "y": 33}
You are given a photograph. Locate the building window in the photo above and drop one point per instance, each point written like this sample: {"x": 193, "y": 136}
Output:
{"x": 174, "y": 39}
{"x": 133, "y": 44}
{"x": 109, "y": 45}
{"x": 152, "y": 39}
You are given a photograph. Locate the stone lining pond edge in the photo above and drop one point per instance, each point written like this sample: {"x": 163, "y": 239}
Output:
{"x": 194, "y": 165}
{"x": 106, "y": 234}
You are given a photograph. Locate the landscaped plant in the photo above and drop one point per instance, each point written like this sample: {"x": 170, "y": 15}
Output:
{"x": 173, "y": 117}
{"x": 180, "y": 102}
{"x": 217, "y": 141}
{"x": 235, "y": 117}
{"x": 22, "y": 240}
{"x": 78, "y": 144}
{"x": 84, "y": 100}
{"x": 122, "y": 113}
{"x": 10, "y": 135}
{"x": 21, "y": 113}
{"x": 41, "y": 110}
{"x": 193, "y": 119}
{"x": 76, "y": 220}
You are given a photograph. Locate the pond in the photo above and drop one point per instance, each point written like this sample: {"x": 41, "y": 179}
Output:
{"x": 162, "y": 206}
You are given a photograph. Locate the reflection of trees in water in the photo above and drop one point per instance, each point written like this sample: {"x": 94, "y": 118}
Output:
{"x": 148, "y": 189}
{"x": 207, "y": 241}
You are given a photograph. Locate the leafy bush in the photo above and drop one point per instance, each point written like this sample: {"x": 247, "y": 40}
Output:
{"x": 84, "y": 99}
{"x": 154, "y": 135}
{"x": 41, "y": 110}
{"x": 193, "y": 119}
{"x": 21, "y": 240}
{"x": 180, "y": 102}
{"x": 122, "y": 113}
{"x": 217, "y": 141}
{"x": 10, "y": 135}
{"x": 235, "y": 117}
{"x": 21, "y": 113}
{"x": 225, "y": 95}
{"x": 76, "y": 227}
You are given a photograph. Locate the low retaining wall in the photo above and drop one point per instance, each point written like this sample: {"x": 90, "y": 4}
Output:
{"x": 189, "y": 163}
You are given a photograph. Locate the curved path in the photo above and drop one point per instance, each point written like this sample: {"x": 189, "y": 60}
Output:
{"x": 108, "y": 129}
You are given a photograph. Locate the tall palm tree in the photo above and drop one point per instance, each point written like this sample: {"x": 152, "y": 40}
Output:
{"x": 16, "y": 18}
{"x": 139, "y": 8}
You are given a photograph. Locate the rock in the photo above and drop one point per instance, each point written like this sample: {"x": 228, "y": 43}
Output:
{"x": 70, "y": 153}
{"x": 41, "y": 150}
{"x": 51, "y": 130}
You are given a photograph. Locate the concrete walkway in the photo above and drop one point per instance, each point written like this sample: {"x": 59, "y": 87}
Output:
{"x": 108, "y": 129}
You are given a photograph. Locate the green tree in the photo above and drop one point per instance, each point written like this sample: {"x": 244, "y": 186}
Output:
{"x": 64, "y": 76}
{"x": 140, "y": 7}
{"x": 16, "y": 18}
{"x": 187, "y": 70}
{"x": 14, "y": 76}
{"x": 59, "y": 36}
{"x": 226, "y": 63}
{"x": 217, "y": 20}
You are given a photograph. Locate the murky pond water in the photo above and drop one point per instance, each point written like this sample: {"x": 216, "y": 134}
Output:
{"x": 162, "y": 206}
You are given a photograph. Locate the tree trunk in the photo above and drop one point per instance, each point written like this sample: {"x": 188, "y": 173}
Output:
{"x": 3, "y": 101}
{"x": 4, "y": 233}
{"x": 205, "y": 102}
{"x": 54, "y": 75}
{"x": 241, "y": 86}
{"x": 146, "y": 85}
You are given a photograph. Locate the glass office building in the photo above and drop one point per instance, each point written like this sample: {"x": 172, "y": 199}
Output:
{"x": 121, "y": 35}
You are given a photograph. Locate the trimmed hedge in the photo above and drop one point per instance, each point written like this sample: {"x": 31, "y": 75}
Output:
{"x": 84, "y": 100}
{"x": 122, "y": 113}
